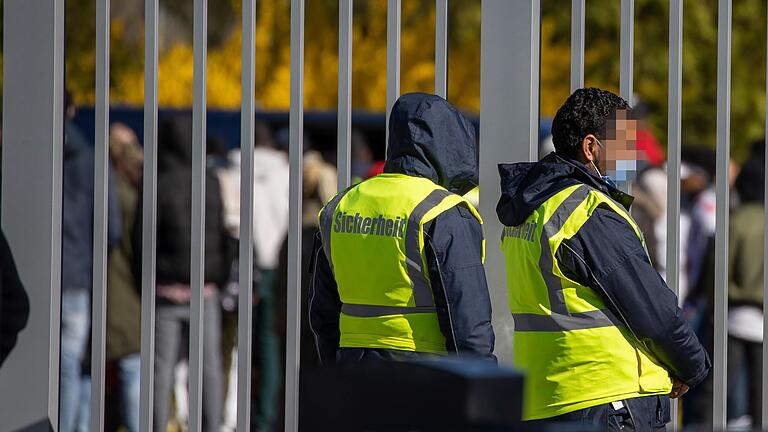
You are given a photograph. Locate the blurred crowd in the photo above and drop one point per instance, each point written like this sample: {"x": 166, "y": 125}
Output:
{"x": 173, "y": 251}
{"x": 643, "y": 172}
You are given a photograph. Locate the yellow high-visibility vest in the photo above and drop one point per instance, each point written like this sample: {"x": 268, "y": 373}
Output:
{"x": 373, "y": 236}
{"x": 575, "y": 353}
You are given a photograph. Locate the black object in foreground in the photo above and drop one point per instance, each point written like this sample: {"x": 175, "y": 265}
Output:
{"x": 412, "y": 396}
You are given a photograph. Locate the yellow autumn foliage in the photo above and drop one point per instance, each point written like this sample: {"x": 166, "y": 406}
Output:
{"x": 175, "y": 69}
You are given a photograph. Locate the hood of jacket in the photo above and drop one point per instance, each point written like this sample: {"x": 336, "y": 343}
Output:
{"x": 526, "y": 185}
{"x": 174, "y": 138}
{"x": 430, "y": 138}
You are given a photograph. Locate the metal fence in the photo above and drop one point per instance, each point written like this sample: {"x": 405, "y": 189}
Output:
{"x": 32, "y": 175}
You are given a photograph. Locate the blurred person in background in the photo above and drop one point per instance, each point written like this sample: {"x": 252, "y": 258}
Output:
{"x": 270, "y": 226}
{"x": 699, "y": 196}
{"x": 123, "y": 334}
{"x": 77, "y": 266}
{"x": 174, "y": 225}
{"x": 228, "y": 173}
{"x": 362, "y": 157}
{"x": 649, "y": 210}
{"x": 319, "y": 185}
{"x": 745, "y": 297}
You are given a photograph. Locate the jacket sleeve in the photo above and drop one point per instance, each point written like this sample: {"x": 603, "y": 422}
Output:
{"x": 455, "y": 265}
{"x": 607, "y": 255}
{"x": 324, "y": 307}
{"x": 14, "y": 302}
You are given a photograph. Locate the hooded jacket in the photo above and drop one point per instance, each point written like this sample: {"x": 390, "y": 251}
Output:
{"x": 174, "y": 204}
{"x": 77, "y": 211}
{"x": 607, "y": 256}
{"x": 428, "y": 138}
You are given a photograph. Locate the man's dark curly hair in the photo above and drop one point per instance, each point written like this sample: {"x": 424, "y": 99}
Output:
{"x": 584, "y": 112}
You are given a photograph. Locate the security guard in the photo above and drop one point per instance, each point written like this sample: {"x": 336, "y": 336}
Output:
{"x": 597, "y": 331}
{"x": 400, "y": 272}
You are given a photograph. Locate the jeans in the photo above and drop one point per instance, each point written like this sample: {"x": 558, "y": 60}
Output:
{"x": 649, "y": 413}
{"x": 84, "y": 406}
{"x": 171, "y": 321}
{"x": 265, "y": 355}
{"x": 75, "y": 323}
{"x": 128, "y": 371}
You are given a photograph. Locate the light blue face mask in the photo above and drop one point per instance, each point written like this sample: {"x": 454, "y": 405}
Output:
{"x": 624, "y": 168}
{"x": 605, "y": 178}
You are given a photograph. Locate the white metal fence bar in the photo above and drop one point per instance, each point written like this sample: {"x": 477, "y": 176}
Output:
{"x": 627, "y": 49}
{"x": 149, "y": 217}
{"x": 245, "y": 307}
{"x": 197, "y": 264}
{"x": 100, "y": 190}
{"x": 394, "y": 12}
{"x": 344, "y": 138}
{"x": 577, "y": 44}
{"x": 509, "y": 110}
{"x": 673, "y": 156}
{"x": 295, "y": 155}
{"x": 441, "y": 48}
{"x": 722, "y": 214}
{"x": 764, "y": 407}
{"x": 33, "y": 89}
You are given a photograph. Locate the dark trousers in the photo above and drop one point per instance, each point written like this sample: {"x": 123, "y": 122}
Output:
{"x": 745, "y": 358}
{"x": 649, "y": 413}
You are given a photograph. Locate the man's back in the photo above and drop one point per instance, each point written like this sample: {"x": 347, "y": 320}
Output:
{"x": 401, "y": 256}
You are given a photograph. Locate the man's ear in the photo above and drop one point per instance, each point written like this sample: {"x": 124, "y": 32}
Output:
{"x": 588, "y": 148}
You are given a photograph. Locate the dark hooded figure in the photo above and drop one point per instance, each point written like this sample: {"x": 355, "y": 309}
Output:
{"x": 597, "y": 331}
{"x": 399, "y": 273}
{"x": 174, "y": 228}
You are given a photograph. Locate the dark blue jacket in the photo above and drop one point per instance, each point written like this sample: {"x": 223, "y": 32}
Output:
{"x": 428, "y": 138}
{"x": 607, "y": 256}
{"x": 77, "y": 212}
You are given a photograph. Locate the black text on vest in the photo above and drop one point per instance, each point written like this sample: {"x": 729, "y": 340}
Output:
{"x": 380, "y": 226}
{"x": 525, "y": 231}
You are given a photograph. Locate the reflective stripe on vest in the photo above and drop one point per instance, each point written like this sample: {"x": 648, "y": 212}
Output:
{"x": 560, "y": 319}
{"x": 576, "y": 353}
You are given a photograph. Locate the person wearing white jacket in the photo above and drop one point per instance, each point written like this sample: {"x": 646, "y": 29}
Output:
{"x": 270, "y": 226}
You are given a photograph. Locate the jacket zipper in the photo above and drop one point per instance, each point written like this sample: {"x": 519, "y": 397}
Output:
{"x": 445, "y": 296}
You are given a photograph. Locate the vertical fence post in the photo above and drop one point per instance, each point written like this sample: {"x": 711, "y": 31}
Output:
{"x": 344, "y": 138}
{"x": 245, "y": 306}
{"x": 149, "y": 226}
{"x": 627, "y": 49}
{"x": 441, "y": 48}
{"x": 673, "y": 156}
{"x": 577, "y": 44}
{"x": 394, "y": 12}
{"x": 509, "y": 113}
{"x": 295, "y": 156}
{"x": 722, "y": 216}
{"x": 33, "y": 113}
{"x": 100, "y": 190}
{"x": 764, "y": 406}
{"x": 197, "y": 256}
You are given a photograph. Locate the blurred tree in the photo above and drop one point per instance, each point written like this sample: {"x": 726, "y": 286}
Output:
{"x": 417, "y": 45}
